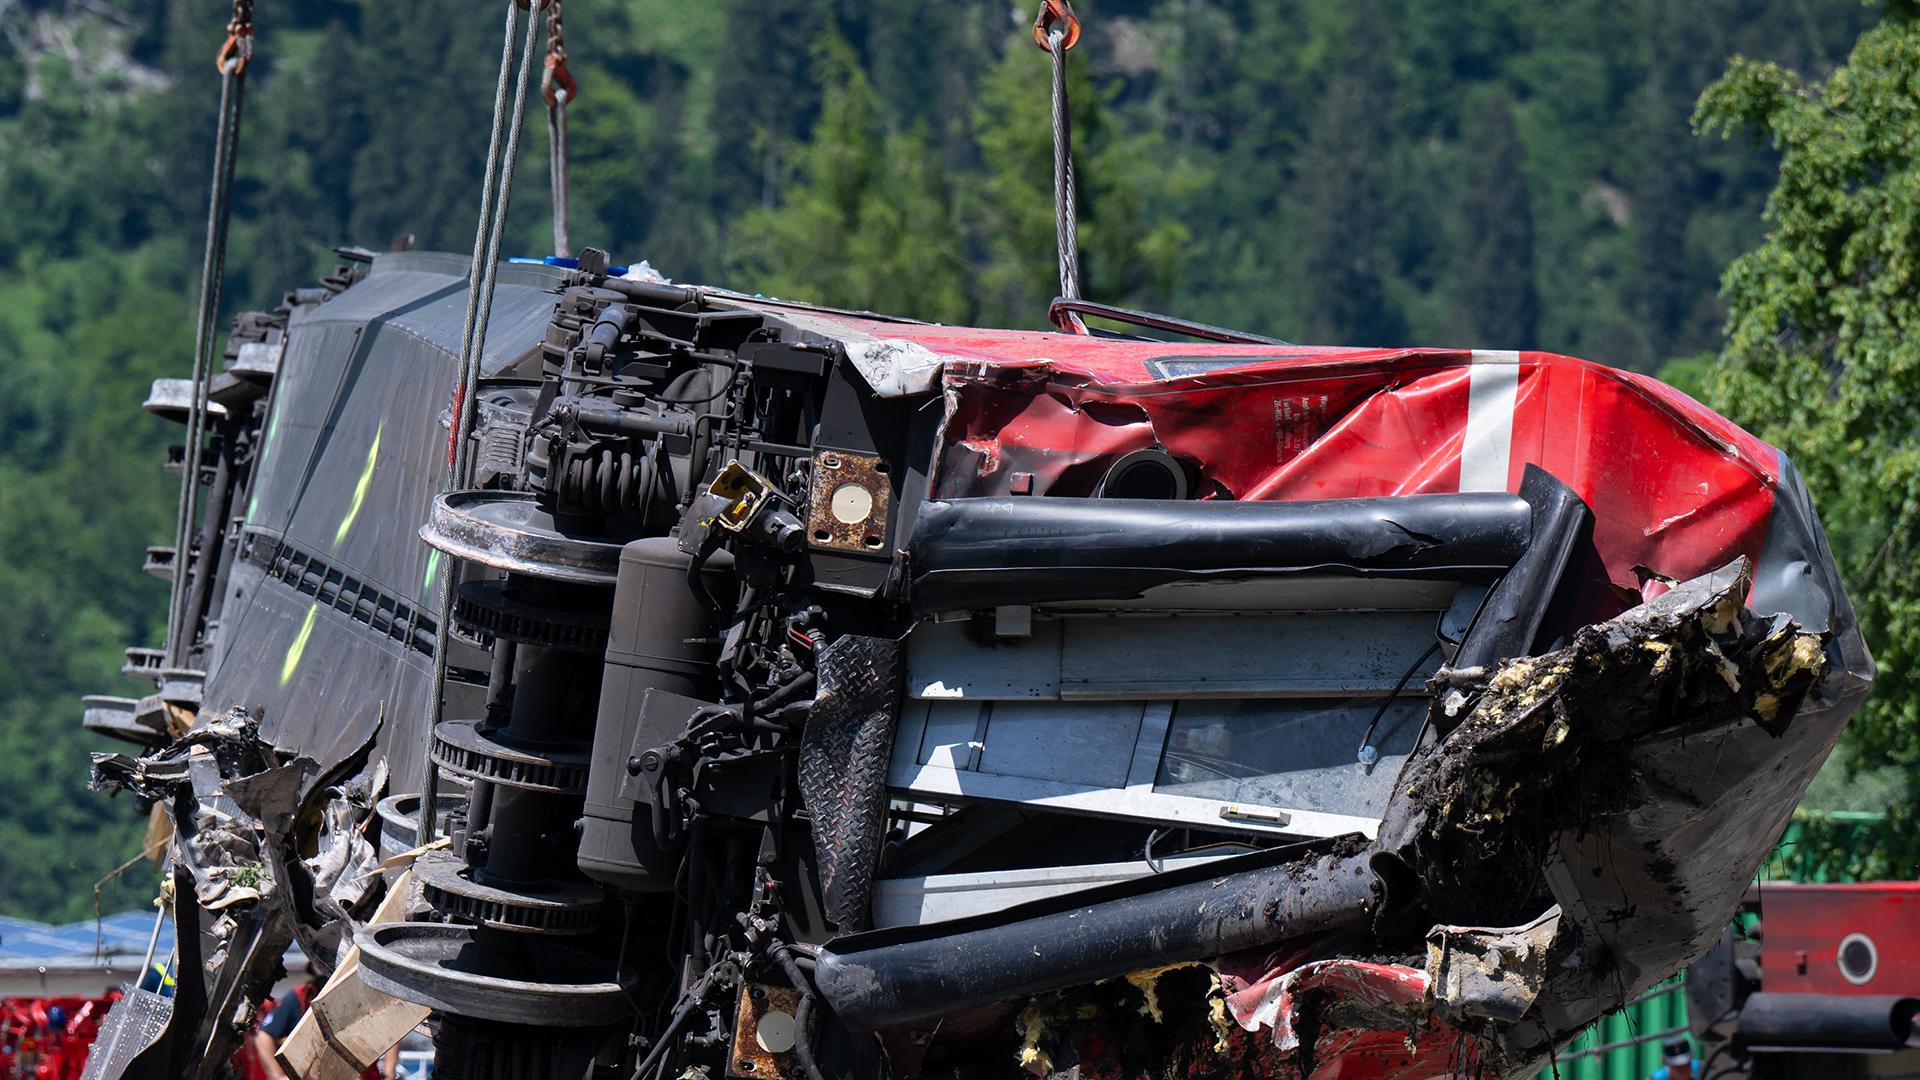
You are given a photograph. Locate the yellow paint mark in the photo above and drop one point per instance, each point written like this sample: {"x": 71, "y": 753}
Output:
{"x": 299, "y": 645}
{"x": 360, "y": 489}
{"x": 260, "y": 465}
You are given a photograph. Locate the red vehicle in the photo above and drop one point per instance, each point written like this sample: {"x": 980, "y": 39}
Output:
{"x": 48, "y": 1038}
{"x": 1818, "y": 981}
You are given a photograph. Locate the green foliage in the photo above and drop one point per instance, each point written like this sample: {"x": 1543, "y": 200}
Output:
{"x": 871, "y": 218}
{"x": 1493, "y": 293}
{"x": 1821, "y": 355}
{"x": 870, "y": 224}
{"x": 1835, "y": 846}
{"x": 1339, "y": 211}
{"x": 78, "y": 502}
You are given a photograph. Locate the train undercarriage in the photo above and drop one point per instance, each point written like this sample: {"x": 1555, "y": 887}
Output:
{"x": 832, "y": 695}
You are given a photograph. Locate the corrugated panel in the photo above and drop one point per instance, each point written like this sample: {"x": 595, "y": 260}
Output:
{"x": 355, "y": 452}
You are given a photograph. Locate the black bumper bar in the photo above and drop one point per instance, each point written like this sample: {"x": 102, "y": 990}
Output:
{"x": 907, "y": 974}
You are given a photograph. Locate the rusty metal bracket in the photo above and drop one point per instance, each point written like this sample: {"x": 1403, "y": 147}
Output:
{"x": 765, "y": 1030}
{"x": 849, "y": 502}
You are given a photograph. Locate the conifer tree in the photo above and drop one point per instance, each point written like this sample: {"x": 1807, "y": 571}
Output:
{"x": 1338, "y": 212}
{"x": 766, "y": 97}
{"x": 1662, "y": 188}
{"x": 868, "y": 221}
{"x": 1495, "y": 302}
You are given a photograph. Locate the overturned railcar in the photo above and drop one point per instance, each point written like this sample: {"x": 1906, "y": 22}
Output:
{"x": 830, "y": 694}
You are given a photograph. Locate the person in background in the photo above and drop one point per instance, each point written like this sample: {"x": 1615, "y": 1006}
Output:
{"x": 279, "y": 1022}
{"x": 1676, "y": 1055}
{"x": 158, "y": 979}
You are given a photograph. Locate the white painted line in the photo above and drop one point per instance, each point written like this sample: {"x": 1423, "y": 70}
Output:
{"x": 1493, "y": 382}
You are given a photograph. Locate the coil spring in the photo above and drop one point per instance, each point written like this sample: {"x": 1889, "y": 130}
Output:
{"x": 607, "y": 482}
{"x": 499, "y": 454}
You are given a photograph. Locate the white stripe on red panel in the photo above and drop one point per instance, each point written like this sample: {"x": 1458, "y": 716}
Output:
{"x": 1493, "y": 382}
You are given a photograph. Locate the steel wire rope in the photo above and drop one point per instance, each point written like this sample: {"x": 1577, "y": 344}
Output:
{"x": 480, "y": 284}
{"x": 558, "y": 87}
{"x": 231, "y": 61}
{"x": 1057, "y": 30}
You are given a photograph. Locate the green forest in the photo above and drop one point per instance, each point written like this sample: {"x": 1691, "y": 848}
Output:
{"x": 1723, "y": 191}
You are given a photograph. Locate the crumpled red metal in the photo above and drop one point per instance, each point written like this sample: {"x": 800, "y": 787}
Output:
{"x": 1675, "y": 488}
{"x": 1418, "y": 1047}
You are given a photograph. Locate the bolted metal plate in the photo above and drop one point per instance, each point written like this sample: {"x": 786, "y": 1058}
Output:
{"x": 764, "y": 1033}
{"x": 849, "y": 501}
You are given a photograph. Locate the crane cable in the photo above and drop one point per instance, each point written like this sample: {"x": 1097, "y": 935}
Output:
{"x": 503, "y": 148}
{"x": 1055, "y": 30}
{"x": 231, "y": 61}
{"x": 558, "y": 87}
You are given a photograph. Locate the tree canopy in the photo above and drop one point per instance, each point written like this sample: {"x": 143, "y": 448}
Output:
{"x": 1822, "y": 357}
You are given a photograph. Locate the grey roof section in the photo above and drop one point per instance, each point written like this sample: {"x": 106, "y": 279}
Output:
{"x": 116, "y": 941}
{"x": 523, "y": 300}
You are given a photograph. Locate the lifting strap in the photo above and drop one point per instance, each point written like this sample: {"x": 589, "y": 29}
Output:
{"x": 1055, "y": 30}
{"x": 558, "y": 87}
{"x": 503, "y": 148}
{"x": 232, "y": 60}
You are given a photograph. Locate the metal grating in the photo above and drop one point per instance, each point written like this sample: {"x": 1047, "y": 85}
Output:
{"x": 308, "y": 573}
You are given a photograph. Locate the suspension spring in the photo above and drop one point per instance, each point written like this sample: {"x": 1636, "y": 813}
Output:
{"x": 608, "y": 483}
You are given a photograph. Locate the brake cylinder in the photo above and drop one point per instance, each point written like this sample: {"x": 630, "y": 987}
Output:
{"x": 662, "y": 639}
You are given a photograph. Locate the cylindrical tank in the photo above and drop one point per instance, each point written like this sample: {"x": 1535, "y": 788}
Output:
{"x": 662, "y": 639}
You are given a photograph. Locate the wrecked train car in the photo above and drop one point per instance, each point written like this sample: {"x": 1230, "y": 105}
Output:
{"x": 829, "y": 694}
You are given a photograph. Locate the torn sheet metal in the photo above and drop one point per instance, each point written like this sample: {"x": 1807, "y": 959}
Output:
{"x": 226, "y": 791}
{"x": 1490, "y": 973}
{"x": 1345, "y": 994}
{"x": 344, "y": 868}
{"x": 1629, "y": 777}
{"x": 223, "y": 852}
{"x": 1626, "y": 777}
{"x": 217, "y": 840}
{"x": 232, "y": 739}
{"x": 1321, "y": 1020}
{"x": 349, "y": 1024}
{"x": 1549, "y": 757}
{"x": 238, "y": 810}
{"x": 1674, "y": 489}
{"x": 892, "y": 364}
{"x": 1672, "y": 485}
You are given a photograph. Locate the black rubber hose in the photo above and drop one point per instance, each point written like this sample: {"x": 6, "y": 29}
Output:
{"x": 803, "y": 1015}
{"x": 695, "y": 995}
{"x": 650, "y": 293}
{"x": 893, "y": 977}
{"x": 1866, "y": 1022}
